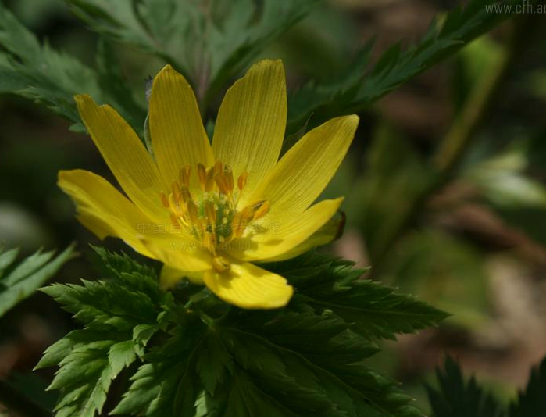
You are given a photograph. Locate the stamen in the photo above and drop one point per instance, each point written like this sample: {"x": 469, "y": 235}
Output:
{"x": 185, "y": 175}
{"x": 175, "y": 206}
{"x": 222, "y": 184}
{"x": 220, "y": 264}
{"x": 263, "y": 210}
{"x": 164, "y": 200}
{"x": 241, "y": 181}
{"x": 211, "y": 212}
{"x": 174, "y": 220}
{"x": 202, "y": 175}
{"x": 176, "y": 192}
{"x": 228, "y": 175}
{"x": 185, "y": 194}
{"x": 209, "y": 184}
{"x": 193, "y": 212}
{"x": 218, "y": 168}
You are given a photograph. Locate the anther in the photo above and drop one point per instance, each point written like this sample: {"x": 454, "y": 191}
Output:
{"x": 209, "y": 184}
{"x": 185, "y": 194}
{"x": 202, "y": 175}
{"x": 164, "y": 200}
{"x": 210, "y": 212}
{"x": 262, "y": 210}
{"x": 174, "y": 221}
{"x": 176, "y": 192}
{"x": 222, "y": 184}
{"x": 241, "y": 181}
{"x": 218, "y": 168}
{"x": 185, "y": 175}
{"x": 228, "y": 175}
{"x": 193, "y": 212}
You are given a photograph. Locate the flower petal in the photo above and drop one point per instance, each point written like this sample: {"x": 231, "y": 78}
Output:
{"x": 176, "y": 128}
{"x": 179, "y": 252}
{"x": 329, "y": 232}
{"x": 248, "y": 286}
{"x": 251, "y": 121}
{"x": 126, "y": 156}
{"x": 103, "y": 209}
{"x": 106, "y": 212}
{"x": 305, "y": 170}
{"x": 279, "y": 239}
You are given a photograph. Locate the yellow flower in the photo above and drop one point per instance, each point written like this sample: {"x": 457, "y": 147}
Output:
{"x": 209, "y": 212}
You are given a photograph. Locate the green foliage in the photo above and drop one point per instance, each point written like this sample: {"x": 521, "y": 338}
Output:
{"x": 40, "y": 73}
{"x": 18, "y": 282}
{"x": 210, "y": 42}
{"x": 358, "y": 88}
{"x": 193, "y": 355}
{"x": 456, "y": 396}
{"x": 120, "y": 317}
{"x": 333, "y": 285}
{"x": 531, "y": 401}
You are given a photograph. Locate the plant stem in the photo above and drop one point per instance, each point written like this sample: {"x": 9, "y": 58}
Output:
{"x": 18, "y": 403}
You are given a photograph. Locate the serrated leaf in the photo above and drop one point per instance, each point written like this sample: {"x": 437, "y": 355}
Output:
{"x": 531, "y": 401}
{"x": 42, "y": 74}
{"x": 375, "y": 311}
{"x": 396, "y": 67}
{"x": 120, "y": 317}
{"x": 274, "y": 364}
{"x": 304, "y": 360}
{"x": 209, "y": 44}
{"x": 456, "y": 397}
{"x": 26, "y": 277}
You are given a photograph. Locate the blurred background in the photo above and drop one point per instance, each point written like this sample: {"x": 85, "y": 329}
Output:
{"x": 472, "y": 242}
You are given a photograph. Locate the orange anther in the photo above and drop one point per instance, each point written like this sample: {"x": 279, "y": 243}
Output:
{"x": 174, "y": 221}
{"x": 164, "y": 200}
{"x": 242, "y": 180}
{"x": 202, "y": 174}
{"x": 228, "y": 175}
{"x": 185, "y": 175}
{"x": 262, "y": 210}
{"x": 210, "y": 212}
{"x": 218, "y": 168}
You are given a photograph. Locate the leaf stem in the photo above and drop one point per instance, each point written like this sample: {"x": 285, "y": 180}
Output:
{"x": 17, "y": 402}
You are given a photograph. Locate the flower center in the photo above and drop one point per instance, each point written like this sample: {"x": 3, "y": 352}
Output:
{"x": 210, "y": 213}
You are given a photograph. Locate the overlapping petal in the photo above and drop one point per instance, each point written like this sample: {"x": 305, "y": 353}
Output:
{"x": 305, "y": 170}
{"x": 251, "y": 121}
{"x": 281, "y": 238}
{"x": 103, "y": 210}
{"x": 176, "y": 128}
{"x": 125, "y": 155}
{"x": 249, "y": 286}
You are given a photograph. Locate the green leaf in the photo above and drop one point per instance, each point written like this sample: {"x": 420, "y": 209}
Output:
{"x": 376, "y": 312}
{"x": 531, "y": 401}
{"x": 278, "y": 364}
{"x": 120, "y": 316}
{"x": 241, "y": 29}
{"x": 395, "y": 66}
{"x": 18, "y": 282}
{"x": 456, "y": 397}
{"x": 210, "y": 359}
{"x": 165, "y": 28}
{"x": 209, "y": 43}
{"x": 42, "y": 74}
